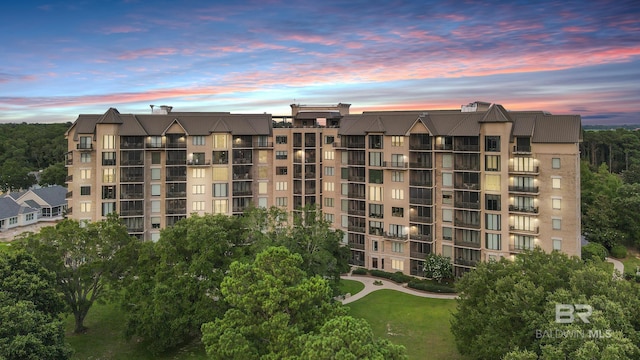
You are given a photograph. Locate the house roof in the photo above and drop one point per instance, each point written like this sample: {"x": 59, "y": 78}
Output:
{"x": 52, "y": 195}
{"x": 8, "y": 208}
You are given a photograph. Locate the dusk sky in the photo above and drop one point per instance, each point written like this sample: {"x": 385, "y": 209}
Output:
{"x": 59, "y": 59}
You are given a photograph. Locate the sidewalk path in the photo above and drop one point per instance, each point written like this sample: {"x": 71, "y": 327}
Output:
{"x": 386, "y": 284}
{"x": 617, "y": 265}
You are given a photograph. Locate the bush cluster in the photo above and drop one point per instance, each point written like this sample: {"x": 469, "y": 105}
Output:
{"x": 593, "y": 251}
{"x": 360, "y": 271}
{"x": 619, "y": 251}
{"x": 428, "y": 285}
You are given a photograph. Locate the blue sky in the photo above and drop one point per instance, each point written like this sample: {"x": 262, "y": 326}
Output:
{"x": 63, "y": 58}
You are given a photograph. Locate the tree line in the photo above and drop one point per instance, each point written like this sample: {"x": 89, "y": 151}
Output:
{"x": 26, "y": 148}
{"x": 256, "y": 286}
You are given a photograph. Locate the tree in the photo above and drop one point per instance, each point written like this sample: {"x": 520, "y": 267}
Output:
{"x": 272, "y": 302}
{"x": 29, "y": 310}
{"x": 504, "y": 306}
{"x": 438, "y": 267}
{"x": 84, "y": 259}
{"x": 594, "y": 251}
{"x": 176, "y": 284}
{"x": 55, "y": 174}
{"x": 15, "y": 176}
{"x": 345, "y": 337}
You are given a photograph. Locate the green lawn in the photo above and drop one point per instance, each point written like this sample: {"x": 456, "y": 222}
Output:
{"x": 350, "y": 286}
{"x": 631, "y": 262}
{"x": 420, "y": 324}
{"x": 4, "y": 246}
{"x": 104, "y": 339}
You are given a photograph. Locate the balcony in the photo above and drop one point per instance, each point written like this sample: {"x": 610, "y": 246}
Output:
{"x": 244, "y": 176}
{"x": 466, "y": 262}
{"x": 356, "y": 178}
{"x": 354, "y": 228}
{"x": 263, "y": 144}
{"x": 522, "y": 149}
{"x": 421, "y": 219}
{"x": 198, "y": 163}
{"x": 69, "y": 195}
{"x": 392, "y": 236}
{"x": 399, "y": 165}
{"x": 418, "y": 255}
{"x": 444, "y": 147}
{"x": 415, "y": 145}
{"x": 132, "y": 212}
{"x": 524, "y": 189}
{"x": 529, "y": 170}
{"x": 420, "y": 165}
{"x": 176, "y": 161}
{"x": 154, "y": 145}
{"x": 467, "y": 224}
{"x": 355, "y": 245}
{"x": 171, "y": 178}
{"x": 524, "y": 209}
{"x": 338, "y": 145}
{"x": 376, "y": 231}
{"x": 176, "y": 194}
{"x": 470, "y": 244}
{"x": 84, "y": 147}
{"x": 467, "y": 186}
{"x": 242, "y": 192}
{"x": 421, "y": 237}
{"x": 467, "y": 205}
{"x": 242, "y": 144}
{"x": 69, "y": 178}
{"x": 516, "y": 248}
{"x": 176, "y": 145}
{"x": 467, "y": 147}
{"x": 355, "y": 195}
{"x": 177, "y": 210}
{"x": 239, "y": 209}
{"x": 356, "y": 212}
{"x": 355, "y": 145}
{"x": 420, "y": 200}
{"x": 531, "y": 231}
{"x": 130, "y": 162}
{"x": 133, "y": 178}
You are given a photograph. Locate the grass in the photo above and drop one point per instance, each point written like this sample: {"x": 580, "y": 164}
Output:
{"x": 420, "y": 324}
{"x": 4, "y": 246}
{"x": 104, "y": 339}
{"x": 632, "y": 261}
{"x": 350, "y": 286}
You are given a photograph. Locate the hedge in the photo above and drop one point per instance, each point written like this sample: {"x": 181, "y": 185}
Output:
{"x": 360, "y": 271}
{"x": 431, "y": 287}
{"x": 619, "y": 252}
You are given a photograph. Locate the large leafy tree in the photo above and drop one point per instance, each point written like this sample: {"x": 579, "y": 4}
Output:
{"x": 438, "y": 267}
{"x": 29, "y": 310}
{"x": 83, "y": 258}
{"x": 272, "y": 303}
{"x": 503, "y": 305}
{"x": 176, "y": 285}
{"x": 55, "y": 174}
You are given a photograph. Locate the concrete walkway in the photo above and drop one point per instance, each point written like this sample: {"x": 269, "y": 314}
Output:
{"x": 386, "y": 284}
{"x": 617, "y": 265}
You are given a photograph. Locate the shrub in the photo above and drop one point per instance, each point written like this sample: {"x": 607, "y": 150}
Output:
{"x": 594, "y": 251}
{"x": 426, "y": 285}
{"x": 619, "y": 251}
{"x": 380, "y": 273}
{"x": 360, "y": 271}
{"x": 401, "y": 278}
{"x": 438, "y": 267}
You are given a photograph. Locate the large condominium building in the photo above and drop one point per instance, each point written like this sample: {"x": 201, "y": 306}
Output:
{"x": 473, "y": 184}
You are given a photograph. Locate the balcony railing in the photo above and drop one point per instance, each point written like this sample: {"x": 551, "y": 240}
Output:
{"x": 132, "y": 212}
{"x": 421, "y": 219}
{"x": 355, "y": 195}
{"x": 86, "y": 147}
{"x": 530, "y": 170}
{"x": 467, "y": 186}
{"x": 531, "y": 230}
{"x": 176, "y": 145}
{"x": 395, "y": 164}
{"x": 523, "y": 149}
{"x": 519, "y": 248}
{"x": 375, "y": 231}
{"x": 467, "y": 204}
{"x": 393, "y": 236}
{"x": 242, "y": 144}
{"x": 466, "y": 262}
{"x": 420, "y": 200}
{"x": 198, "y": 163}
{"x": 176, "y": 178}
{"x": 471, "y": 244}
{"x": 444, "y": 146}
{"x": 467, "y": 224}
{"x": 420, "y": 165}
{"x": 239, "y": 209}
{"x": 421, "y": 237}
{"x": 176, "y": 161}
{"x": 465, "y": 147}
{"x": 69, "y": 178}
{"x": 176, "y": 194}
{"x": 422, "y": 183}
{"x": 242, "y": 192}
{"x": 418, "y": 255}
{"x": 242, "y": 161}
{"x": 69, "y": 195}
{"x": 355, "y": 178}
{"x": 179, "y": 210}
{"x": 524, "y": 209}
{"x": 354, "y": 228}
{"x": 136, "y": 178}
{"x": 129, "y": 162}
{"x": 419, "y": 146}
{"x": 263, "y": 144}
{"x": 354, "y": 245}
{"x": 356, "y": 212}
{"x": 337, "y": 144}
{"x": 524, "y": 189}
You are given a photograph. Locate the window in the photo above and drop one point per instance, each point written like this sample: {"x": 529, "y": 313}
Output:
{"x": 197, "y": 173}
{"x": 329, "y": 170}
{"x": 198, "y": 140}
{"x": 397, "y": 211}
{"x": 492, "y": 162}
{"x": 374, "y": 245}
{"x": 329, "y": 186}
{"x": 155, "y": 190}
{"x": 447, "y": 233}
{"x": 492, "y": 143}
{"x": 220, "y": 174}
{"x": 492, "y": 222}
{"x": 329, "y": 139}
{"x": 527, "y": 164}
{"x": 375, "y": 193}
{"x": 492, "y": 182}
{"x": 155, "y": 206}
{"x": 220, "y": 141}
{"x": 155, "y": 141}
{"x": 447, "y": 197}
{"x": 375, "y": 159}
{"x": 397, "y": 140}
{"x": 156, "y": 173}
{"x": 281, "y": 170}
{"x": 329, "y": 217}
{"x": 493, "y": 241}
{"x": 220, "y": 190}
{"x": 198, "y": 206}
{"x": 85, "y": 142}
{"x": 155, "y": 222}
{"x": 85, "y": 190}
{"x": 375, "y": 141}
{"x": 555, "y": 183}
{"x": 109, "y": 158}
{"x": 155, "y": 158}
{"x": 329, "y": 155}
{"x": 263, "y": 156}
{"x": 447, "y": 161}
{"x": 281, "y": 201}
{"x": 526, "y": 223}
{"x": 555, "y": 163}
{"x": 555, "y": 203}
{"x": 108, "y": 175}
{"x": 447, "y": 215}
{"x": 84, "y": 207}
{"x": 85, "y": 174}
{"x": 556, "y": 224}
{"x": 397, "y": 247}
{"x": 85, "y": 158}
{"x": 108, "y": 142}
{"x": 397, "y": 194}
{"x": 220, "y": 206}
{"x": 397, "y": 264}
{"x": 376, "y": 228}
{"x": 281, "y": 139}
{"x": 197, "y": 189}
{"x": 29, "y": 217}
{"x": 447, "y": 179}
{"x": 375, "y": 176}
{"x": 281, "y": 186}
{"x": 281, "y": 155}
{"x": 492, "y": 202}
{"x": 263, "y": 172}
{"x": 108, "y": 208}
{"x": 557, "y": 244}
{"x": 397, "y": 160}
{"x": 397, "y": 176}
{"x": 109, "y": 192}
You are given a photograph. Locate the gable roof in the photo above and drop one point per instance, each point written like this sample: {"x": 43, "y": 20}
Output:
{"x": 52, "y": 195}
{"x": 8, "y": 208}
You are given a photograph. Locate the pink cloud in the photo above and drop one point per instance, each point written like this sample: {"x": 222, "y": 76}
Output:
{"x": 122, "y": 29}
{"x": 147, "y": 53}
